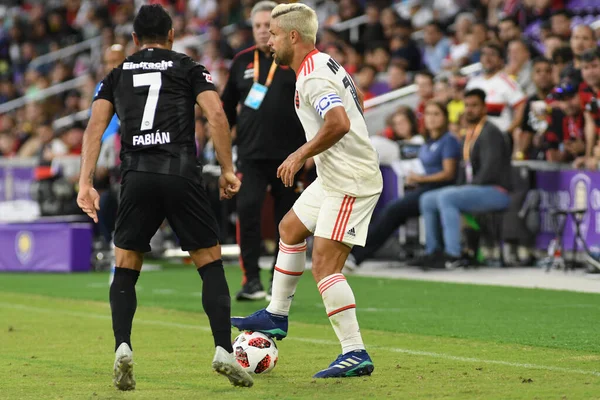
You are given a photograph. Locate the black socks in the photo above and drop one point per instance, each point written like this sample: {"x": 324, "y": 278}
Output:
{"x": 123, "y": 303}
{"x": 217, "y": 302}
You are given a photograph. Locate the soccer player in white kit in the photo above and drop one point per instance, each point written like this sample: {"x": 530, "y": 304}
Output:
{"x": 338, "y": 205}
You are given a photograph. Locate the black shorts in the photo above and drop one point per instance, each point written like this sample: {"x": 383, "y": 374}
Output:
{"x": 147, "y": 199}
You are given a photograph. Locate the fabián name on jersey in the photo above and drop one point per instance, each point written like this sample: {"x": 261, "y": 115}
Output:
{"x": 152, "y": 138}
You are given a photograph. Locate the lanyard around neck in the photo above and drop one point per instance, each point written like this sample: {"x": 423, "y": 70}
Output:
{"x": 256, "y": 69}
{"x": 471, "y": 138}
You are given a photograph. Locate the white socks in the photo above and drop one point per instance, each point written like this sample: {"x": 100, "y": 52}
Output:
{"x": 289, "y": 267}
{"x": 341, "y": 310}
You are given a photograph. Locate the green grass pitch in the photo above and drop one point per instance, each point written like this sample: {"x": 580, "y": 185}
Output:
{"x": 428, "y": 341}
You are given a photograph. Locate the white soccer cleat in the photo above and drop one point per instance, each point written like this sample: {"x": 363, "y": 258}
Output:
{"x": 123, "y": 371}
{"x": 225, "y": 364}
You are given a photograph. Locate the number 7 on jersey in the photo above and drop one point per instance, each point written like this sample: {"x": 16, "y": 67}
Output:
{"x": 154, "y": 80}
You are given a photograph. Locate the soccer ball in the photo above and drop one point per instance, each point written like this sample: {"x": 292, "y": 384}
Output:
{"x": 255, "y": 352}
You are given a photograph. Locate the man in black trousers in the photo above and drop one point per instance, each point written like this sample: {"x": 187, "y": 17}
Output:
{"x": 267, "y": 131}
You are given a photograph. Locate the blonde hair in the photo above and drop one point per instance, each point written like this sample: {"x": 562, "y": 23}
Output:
{"x": 297, "y": 17}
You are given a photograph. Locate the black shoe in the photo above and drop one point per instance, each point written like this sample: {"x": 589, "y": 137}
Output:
{"x": 429, "y": 261}
{"x": 451, "y": 262}
{"x": 252, "y": 290}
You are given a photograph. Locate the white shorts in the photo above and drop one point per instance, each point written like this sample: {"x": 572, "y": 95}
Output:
{"x": 335, "y": 216}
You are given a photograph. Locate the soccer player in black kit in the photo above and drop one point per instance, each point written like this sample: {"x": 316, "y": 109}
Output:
{"x": 154, "y": 92}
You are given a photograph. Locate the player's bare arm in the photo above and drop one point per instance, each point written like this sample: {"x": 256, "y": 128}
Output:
{"x": 211, "y": 106}
{"x": 336, "y": 125}
{"x": 590, "y": 133}
{"x": 88, "y": 199}
{"x": 518, "y": 116}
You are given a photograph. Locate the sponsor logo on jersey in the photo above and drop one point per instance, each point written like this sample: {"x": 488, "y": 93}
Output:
{"x": 351, "y": 232}
{"x": 161, "y": 65}
{"x": 208, "y": 77}
{"x": 152, "y": 138}
{"x": 249, "y": 73}
{"x": 297, "y": 100}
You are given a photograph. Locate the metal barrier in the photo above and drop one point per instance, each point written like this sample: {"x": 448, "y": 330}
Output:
{"x": 92, "y": 44}
{"x": 379, "y": 108}
{"x": 43, "y": 94}
{"x": 352, "y": 25}
{"x": 63, "y": 122}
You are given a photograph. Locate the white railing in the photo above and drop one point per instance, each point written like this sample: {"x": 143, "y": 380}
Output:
{"x": 92, "y": 44}
{"x": 379, "y": 108}
{"x": 79, "y": 81}
{"x": 70, "y": 119}
{"x": 42, "y": 94}
{"x": 352, "y": 25}
{"x": 410, "y": 89}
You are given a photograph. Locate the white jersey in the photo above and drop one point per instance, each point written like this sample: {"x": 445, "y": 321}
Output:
{"x": 350, "y": 166}
{"x": 502, "y": 95}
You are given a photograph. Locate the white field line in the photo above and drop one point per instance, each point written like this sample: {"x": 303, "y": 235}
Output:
{"x": 443, "y": 356}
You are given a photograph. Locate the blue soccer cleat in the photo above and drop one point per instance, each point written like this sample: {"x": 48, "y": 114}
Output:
{"x": 354, "y": 363}
{"x": 273, "y": 325}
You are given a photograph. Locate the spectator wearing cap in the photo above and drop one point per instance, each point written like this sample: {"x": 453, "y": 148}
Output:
{"x": 482, "y": 186}
{"x": 504, "y": 98}
{"x": 565, "y": 136}
{"x": 437, "y": 47}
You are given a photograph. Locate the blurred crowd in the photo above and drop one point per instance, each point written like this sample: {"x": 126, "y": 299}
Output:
{"x": 541, "y": 91}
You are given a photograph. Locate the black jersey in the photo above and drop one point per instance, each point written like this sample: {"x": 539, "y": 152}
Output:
{"x": 154, "y": 93}
{"x": 273, "y": 131}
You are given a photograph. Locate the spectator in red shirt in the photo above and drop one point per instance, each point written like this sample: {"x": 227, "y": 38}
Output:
{"x": 589, "y": 93}
{"x": 566, "y": 130}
